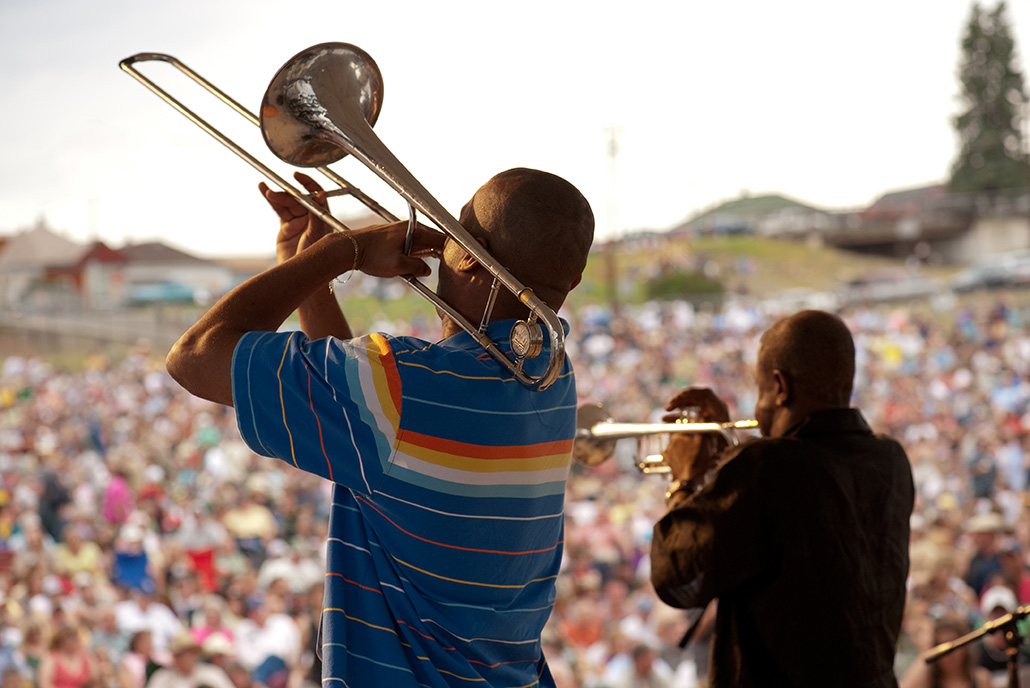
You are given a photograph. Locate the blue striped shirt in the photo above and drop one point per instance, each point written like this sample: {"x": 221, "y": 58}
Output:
{"x": 445, "y": 534}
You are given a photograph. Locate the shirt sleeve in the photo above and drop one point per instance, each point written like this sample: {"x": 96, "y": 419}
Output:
{"x": 329, "y": 406}
{"x": 714, "y": 540}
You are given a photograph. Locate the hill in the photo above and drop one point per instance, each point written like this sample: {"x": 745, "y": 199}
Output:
{"x": 745, "y": 265}
{"x": 740, "y": 215}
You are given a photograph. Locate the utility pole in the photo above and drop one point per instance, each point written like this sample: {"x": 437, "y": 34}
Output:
{"x": 614, "y": 238}
{"x": 1026, "y": 161}
{"x": 93, "y": 229}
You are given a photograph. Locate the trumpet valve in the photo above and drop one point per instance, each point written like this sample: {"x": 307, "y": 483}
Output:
{"x": 689, "y": 414}
{"x": 654, "y": 464}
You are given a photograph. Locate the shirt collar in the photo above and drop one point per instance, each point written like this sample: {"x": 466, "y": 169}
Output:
{"x": 499, "y": 332}
{"x": 830, "y": 421}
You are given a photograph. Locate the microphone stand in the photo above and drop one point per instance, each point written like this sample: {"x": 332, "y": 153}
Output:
{"x": 1005, "y": 624}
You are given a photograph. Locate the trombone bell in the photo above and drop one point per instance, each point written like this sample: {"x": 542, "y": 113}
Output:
{"x": 325, "y": 84}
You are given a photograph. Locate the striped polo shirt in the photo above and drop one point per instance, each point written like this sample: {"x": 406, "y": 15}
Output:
{"x": 446, "y": 528}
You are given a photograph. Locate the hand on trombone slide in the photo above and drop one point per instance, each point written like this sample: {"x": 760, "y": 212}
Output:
{"x": 299, "y": 228}
{"x": 380, "y": 249}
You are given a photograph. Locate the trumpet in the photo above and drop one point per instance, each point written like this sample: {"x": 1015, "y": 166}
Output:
{"x": 597, "y": 433}
{"x": 321, "y": 106}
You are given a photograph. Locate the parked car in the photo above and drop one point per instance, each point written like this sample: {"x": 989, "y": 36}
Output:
{"x": 800, "y": 298}
{"x": 889, "y": 285}
{"x": 1005, "y": 270}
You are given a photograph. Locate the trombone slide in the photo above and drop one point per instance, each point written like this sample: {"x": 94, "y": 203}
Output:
{"x": 308, "y": 127}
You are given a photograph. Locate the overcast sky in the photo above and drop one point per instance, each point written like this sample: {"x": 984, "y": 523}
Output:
{"x": 829, "y": 103}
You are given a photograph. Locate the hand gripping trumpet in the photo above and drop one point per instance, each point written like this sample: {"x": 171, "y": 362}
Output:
{"x": 321, "y": 106}
{"x": 597, "y": 432}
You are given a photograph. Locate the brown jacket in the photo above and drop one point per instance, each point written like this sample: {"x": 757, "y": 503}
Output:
{"x": 804, "y": 541}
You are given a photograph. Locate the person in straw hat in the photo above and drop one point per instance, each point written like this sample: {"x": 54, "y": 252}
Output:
{"x": 186, "y": 670}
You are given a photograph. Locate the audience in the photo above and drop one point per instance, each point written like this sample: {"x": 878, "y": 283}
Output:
{"x": 138, "y": 535}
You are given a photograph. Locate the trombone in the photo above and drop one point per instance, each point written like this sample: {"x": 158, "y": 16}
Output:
{"x": 597, "y": 432}
{"x": 320, "y": 106}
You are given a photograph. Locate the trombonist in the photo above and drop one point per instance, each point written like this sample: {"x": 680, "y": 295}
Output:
{"x": 802, "y": 534}
{"x": 446, "y": 526}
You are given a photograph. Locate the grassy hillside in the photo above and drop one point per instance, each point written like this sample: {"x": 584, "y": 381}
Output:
{"x": 744, "y": 265}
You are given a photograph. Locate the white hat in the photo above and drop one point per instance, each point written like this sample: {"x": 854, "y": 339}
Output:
{"x": 989, "y": 522}
{"x": 277, "y": 548}
{"x": 258, "y": 484}
{"x": 217, "y": 644}
{"x": 184, "y": 642}
{"x": 154, "y": 473}
{"x": 132, "y": 533}
{"x": 998, "y": 597}
{"x": 52, "y": 585}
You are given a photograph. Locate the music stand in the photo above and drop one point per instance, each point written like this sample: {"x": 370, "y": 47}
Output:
{"x": 1013, "y": 640}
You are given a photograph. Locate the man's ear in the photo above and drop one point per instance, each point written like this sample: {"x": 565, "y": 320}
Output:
{"x": 784, "y": 390}
{"x": 467, "y": 262}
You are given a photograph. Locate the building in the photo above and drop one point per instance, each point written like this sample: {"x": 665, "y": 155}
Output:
{"x": 922, "y": 221}
{"x": 158, "y": 273}
{"x": 42, "y": 271}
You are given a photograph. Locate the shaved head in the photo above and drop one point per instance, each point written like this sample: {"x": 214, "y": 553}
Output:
{"x": 815, "y": 350}
{"x": 537, "y": 225}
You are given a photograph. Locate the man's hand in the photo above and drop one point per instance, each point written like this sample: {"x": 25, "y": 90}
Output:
{"x": 299, "y": 228}
{"x": 320, "y": 315}
{"x": 711, "y": 409}
{"x": 381, "y": 249}
{"x": 691, "y": 455}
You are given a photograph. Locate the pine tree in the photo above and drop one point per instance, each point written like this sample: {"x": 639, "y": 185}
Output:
{"x": 991, "y": 155}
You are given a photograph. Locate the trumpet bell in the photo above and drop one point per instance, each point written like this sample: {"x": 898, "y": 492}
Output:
{"x": 587, "y": 449}
{"x": 317, "y": 88}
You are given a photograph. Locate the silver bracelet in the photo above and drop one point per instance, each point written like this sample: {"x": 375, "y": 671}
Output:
{"x": 350, "y": 273}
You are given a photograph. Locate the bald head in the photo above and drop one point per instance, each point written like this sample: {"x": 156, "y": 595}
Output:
{"x": 815, "y": 351}
{"x": 537, "y": 225}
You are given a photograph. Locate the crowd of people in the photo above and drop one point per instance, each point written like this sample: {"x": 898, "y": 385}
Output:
{"x": 141, "y": 541}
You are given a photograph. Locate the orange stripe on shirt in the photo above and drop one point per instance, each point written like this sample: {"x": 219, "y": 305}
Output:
{"x": 282, "y": 400}
{"x": 385, "y": 376}
{"x": 348, "y": 580}
{"x": 318, "y": 423}
{"x": 482, "y": 451}
{"x": 479, "y": 465}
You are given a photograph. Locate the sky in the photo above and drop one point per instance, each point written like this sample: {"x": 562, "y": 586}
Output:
{"x": 832, "y": 104}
